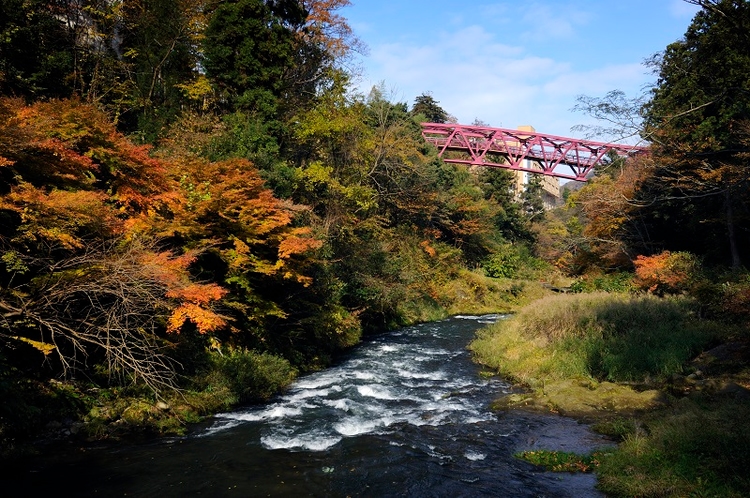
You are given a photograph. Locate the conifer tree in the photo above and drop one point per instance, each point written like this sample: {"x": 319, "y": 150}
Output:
{"x": 698, "y": 118}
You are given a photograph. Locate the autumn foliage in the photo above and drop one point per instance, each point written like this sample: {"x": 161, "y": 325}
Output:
{"x": 666, "y": 273}
{"x": 96, "y": 232}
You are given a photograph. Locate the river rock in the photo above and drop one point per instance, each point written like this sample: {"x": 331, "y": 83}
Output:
{"x": 571, "y": 398}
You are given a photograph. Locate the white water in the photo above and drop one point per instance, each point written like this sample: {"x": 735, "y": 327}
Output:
{"x": 408, "y": 377}
{"x": 404, "y": 415}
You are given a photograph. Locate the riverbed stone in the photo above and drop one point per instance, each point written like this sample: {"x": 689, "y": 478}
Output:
{"x": 570, "y": 398}
{"x": 578, "y": 399}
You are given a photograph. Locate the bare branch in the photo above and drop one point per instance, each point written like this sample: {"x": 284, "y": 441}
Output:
{"x": 105, "y": 303}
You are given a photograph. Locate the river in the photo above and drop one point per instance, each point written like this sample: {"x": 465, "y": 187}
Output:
{"x": 404, "y": 414}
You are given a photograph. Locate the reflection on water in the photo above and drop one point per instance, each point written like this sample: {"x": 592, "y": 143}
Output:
{"x": 405, "y": 414}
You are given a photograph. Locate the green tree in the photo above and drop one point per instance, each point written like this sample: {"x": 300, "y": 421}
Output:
{"x": 425, "y": 105}
{"x": 698, "y": 118}
{"x": 36, "y": 56}
{"x": 249, "y": 48}
{"x": 498, "y": 186}
{"x": 532, "y": 203}
{"x": 158, "y": 41}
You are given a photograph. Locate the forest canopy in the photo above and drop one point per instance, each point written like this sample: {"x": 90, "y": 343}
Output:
{"x": 184, "y": 180}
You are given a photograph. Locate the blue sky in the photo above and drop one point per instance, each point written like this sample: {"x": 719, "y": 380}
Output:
{"x": 518, "y": 62}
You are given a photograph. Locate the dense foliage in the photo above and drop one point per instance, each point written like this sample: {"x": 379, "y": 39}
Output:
{"x": 691, "y": 193}
{"x": 192, "y": 199}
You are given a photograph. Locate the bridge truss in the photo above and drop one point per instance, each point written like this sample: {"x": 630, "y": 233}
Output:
{"x": 522, "y": 150}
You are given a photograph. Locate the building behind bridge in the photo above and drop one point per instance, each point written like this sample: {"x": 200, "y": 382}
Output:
{"x": 551, "y": 192}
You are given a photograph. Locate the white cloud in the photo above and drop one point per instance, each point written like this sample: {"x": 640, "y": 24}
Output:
{"x": 495, "y": 12}
{"x": 627, "y": 77}
{"x": 511, "y": 63}
{"x": 473, "y": 76}
{"x": 545, "y": 22}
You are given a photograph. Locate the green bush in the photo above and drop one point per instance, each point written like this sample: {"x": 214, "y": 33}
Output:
{"x": 514, "y": 261}
{"x": 609, "y": 282}
{"x": 250, "y": 375}
{"x": 731, "y": 299}
{"x": 503, "y": 264}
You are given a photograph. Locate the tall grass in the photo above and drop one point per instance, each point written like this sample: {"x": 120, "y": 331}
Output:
{"x": 699, "y": 446}
{"x": 695, "y": 450}
{"x": 601, "y": 336}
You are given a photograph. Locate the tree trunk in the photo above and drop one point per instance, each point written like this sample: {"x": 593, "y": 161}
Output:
{"x": 736, "y": 262}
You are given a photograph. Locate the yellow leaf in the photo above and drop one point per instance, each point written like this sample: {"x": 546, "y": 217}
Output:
{"x": 45, "y": 347}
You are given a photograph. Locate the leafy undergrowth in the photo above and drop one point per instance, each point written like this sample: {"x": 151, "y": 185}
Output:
{"x": 562, "y": 461}
{"x": 51, "y": 409}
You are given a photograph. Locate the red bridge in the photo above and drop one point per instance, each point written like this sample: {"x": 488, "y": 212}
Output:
{"x": 522, "y": 150}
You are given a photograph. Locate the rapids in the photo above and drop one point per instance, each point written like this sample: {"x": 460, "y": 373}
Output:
{"x": 404, "y": 414}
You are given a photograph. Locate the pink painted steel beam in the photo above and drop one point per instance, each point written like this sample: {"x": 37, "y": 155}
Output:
{"x": 509, "y": 149}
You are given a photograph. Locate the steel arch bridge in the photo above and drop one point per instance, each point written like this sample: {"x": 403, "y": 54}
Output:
{"x": 522, "y": 150}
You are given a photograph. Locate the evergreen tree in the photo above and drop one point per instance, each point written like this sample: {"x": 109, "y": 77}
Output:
{"x": 531, "y": 198}
{"x": 158, "y": 40}
{"x": 36, "y": 57}
{"x": 425, "y": 105}
{"x": 698, "y": 119}
{"x": 497, "y": 185}
{"x": 249, "y": 49}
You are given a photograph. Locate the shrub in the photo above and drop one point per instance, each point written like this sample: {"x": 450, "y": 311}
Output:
{"x": 734, "y": 300}
{"x": 503, "y": 264}
{"x": 667, "y": 272}
{"x": 250, "y": 375}
{"x": 514, "y": 261}
{"x": 610, "y": 282}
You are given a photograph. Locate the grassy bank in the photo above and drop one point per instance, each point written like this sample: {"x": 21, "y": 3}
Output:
{"x": 599, "y": 337}
{"x": 628, "y": 364}
{"x": 35, "y": 409}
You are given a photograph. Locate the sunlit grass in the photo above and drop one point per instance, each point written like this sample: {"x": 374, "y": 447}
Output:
{"x": 692, "y": 447}
{"x": 695, "y": 449}
{"x": 600, "y": 336}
